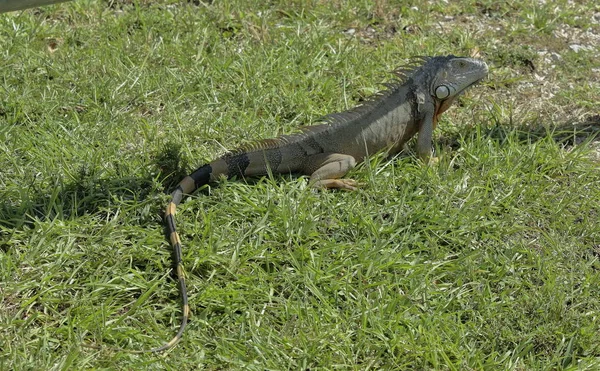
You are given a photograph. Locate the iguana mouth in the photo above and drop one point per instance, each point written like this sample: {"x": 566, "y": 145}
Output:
{"x": 473, "y": 83}
{"x": 468, "y": 86}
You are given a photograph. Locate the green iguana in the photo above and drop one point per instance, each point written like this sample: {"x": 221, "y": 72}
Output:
{"x": 412, "y": 103}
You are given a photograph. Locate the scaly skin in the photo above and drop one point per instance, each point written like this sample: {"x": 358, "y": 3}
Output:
{"x": 412, "y": 104}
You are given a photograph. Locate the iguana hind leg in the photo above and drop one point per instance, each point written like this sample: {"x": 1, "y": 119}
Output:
{"x": 326, "y": 169}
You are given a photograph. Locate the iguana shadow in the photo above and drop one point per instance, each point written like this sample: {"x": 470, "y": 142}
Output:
{"x": 568, "y": 133}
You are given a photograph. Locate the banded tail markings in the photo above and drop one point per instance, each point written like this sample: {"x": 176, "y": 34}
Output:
{"x": 187, "y": 185}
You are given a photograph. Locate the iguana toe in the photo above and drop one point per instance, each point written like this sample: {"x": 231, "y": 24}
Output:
{"x": 344, "y": 184}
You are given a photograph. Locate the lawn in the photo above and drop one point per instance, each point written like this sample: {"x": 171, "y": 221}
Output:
{"x": 487, "y": 260}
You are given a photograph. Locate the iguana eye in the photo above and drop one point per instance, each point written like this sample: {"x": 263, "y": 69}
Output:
{"x": 442, "y": 92}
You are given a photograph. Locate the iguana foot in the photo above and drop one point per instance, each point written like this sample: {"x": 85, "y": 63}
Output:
{"x": 345, "y": 184}
{"x": 327, "y": 169}
{"x": 429, "y": 160}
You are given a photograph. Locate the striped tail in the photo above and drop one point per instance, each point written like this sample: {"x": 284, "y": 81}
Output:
{"x": 188, "y": 185}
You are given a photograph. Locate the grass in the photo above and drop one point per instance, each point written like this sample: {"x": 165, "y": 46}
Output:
{"x": 488, "y": 260}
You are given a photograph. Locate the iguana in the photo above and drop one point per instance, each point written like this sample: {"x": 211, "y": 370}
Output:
{"x": 412, "y": 103}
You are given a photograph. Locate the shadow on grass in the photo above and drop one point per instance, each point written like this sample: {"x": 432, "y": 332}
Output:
{"x": 92, "y": 192}
{"x": 568, "y": 133}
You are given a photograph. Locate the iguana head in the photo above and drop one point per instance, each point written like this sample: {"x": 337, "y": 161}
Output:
{"x": 451, "y": 76}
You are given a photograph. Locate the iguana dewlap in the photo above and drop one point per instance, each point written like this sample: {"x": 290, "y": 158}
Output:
{"x": 411, "y": 104}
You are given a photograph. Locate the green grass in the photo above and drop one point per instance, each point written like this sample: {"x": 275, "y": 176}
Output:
{"x": 488, "y": 260}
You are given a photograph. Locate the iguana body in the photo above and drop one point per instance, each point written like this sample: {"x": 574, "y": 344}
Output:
{"x": 411, "y": 104}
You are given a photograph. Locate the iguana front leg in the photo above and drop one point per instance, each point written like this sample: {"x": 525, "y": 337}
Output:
{"x": 326, "y": 169}
{"x": 424, "y": 141}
